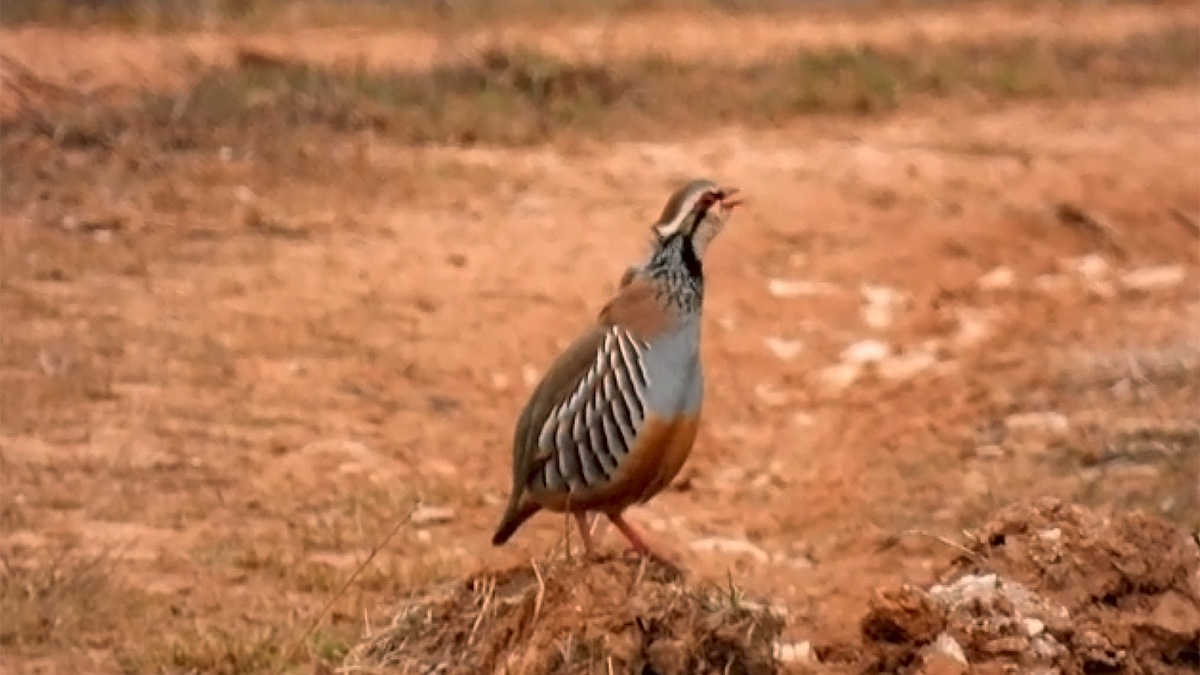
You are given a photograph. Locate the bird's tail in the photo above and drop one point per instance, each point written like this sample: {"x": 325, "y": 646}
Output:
{"x": 519, "y": 510}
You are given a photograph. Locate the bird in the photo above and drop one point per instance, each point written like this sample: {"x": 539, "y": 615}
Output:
{"x": 616, "y": 414}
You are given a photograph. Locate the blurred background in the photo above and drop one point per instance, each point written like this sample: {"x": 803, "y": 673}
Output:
{"x": 272, "y": 272}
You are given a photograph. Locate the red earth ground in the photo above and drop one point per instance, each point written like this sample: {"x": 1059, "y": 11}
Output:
{"x": 233, "y": 377}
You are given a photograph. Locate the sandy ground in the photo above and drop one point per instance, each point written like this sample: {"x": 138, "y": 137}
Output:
{"x": 240, "y": 411}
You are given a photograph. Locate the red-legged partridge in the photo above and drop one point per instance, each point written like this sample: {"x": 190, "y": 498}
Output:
{"x": 615, "y": 416}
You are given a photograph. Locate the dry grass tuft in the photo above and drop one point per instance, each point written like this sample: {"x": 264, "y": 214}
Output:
{"x": 616, "y": 615}
{"x": 62, "y": 598}
{"x": 517, "y": 96}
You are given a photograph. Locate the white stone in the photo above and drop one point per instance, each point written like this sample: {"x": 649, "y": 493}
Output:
{"x": 1153, "y": 278}
{"x": 770, "y": 395}
{"x": 880, "y": 305}
{"x": 1051, "y": 536}
{"x": 947, "y": 645}
{"x": 733, "y": 546}
{"x": 796, "y": 652}
{"x": 795, "y": 288}
{"x": 1091, "y": 266}
{"x": 1038, "y": 422}
{"x": 999, "y": 278}
{"x": 838, "y": 377}
{"x": 906, "y": 366}
{"x": 784, "y": 348}
{"x": 529, "y": 375}
{"x": 866, "y": 351}
{"x": 432, "y": 515}
{"x": 974, "y": 326}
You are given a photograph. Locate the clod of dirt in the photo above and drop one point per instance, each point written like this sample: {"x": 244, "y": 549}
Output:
{"x": 610, "y": 616}
{"x": 1051, "y": 588}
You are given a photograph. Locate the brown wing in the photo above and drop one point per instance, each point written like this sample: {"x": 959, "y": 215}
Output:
{"x": 591, "y": 429}
{"x": 584, "y": 416}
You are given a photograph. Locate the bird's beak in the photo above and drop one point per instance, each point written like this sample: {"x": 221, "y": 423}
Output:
{"x": 730, "y": 198}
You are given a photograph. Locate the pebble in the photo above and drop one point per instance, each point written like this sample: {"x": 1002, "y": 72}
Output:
{"x": 1000, "y": 278}
{"x": 796, "y": 652}
{"x": 837, "y": 378}
{"x": 881, "y": 303}
{"x": 947, "y": 645}
{"x": 529, "y": 375}
{"x": 1153, "y": 278}
{"x": 1051, "y": 536}
{"x": 906, "y": 366}
{"x": 1053, "y": 423}
{"x": 866, "y": 351}
{"x": 792, "y": 288}
{"x": 432, "y": 515}
{"x": 770, "y": 395}
{"x": 439, "y": 467}
{"x": 1091, "y": 266}
{"x": 973, "y": 327}
{"x": 784, "y": 348}
{"x": 734, "y": 546}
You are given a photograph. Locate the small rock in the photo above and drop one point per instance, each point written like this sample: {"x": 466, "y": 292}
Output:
{"x": 784, "y": 348}
{"x": 244, "y": 195}
{"x": 973, "y": 327}
{"x": 796, "y": 652}
{"x": 439, "y": 467}
{"x": 529, "y": 375}
{"x": 906, "y": 366}
{"x": 499, "y": 382}
{"x": 803, "y": 419}
{"x": 734, "y": 546}
{"x": 1153, "y": 278}
{"x": 1051, "y": 536}
{"x": 1051, "y": 423}
{"x": 1033, "y": 627}
{"x": 837, "y": 378}
{"x": 1008, "y": 644}
{"x": 1000, "y": 278}
{"x": 424, "y": 536}
{"x": 880, "y": 305}
{"x": 1092, "y": 266}
{"x": 866, "y": 351}
{"x": 945, "y": 647}
{"x": 770, "y": 395}
{"x": 1101, "y": 289}
{"x": 432, "y": 515}
{"x": 1045, "y": 648}
{"x": 789, "y": 288}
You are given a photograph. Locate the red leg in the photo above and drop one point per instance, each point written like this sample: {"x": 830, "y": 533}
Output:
{"x": 585, "y": 532}
{"x": 638, "y": 543}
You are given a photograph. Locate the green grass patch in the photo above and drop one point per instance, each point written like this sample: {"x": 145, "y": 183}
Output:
{"x": 518, "y": 96}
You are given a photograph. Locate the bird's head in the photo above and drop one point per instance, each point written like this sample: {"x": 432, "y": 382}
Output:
{"x": 697, "y": 210}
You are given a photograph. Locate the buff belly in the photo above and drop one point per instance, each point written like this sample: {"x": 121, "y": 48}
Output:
{"x": 661, "y": 449}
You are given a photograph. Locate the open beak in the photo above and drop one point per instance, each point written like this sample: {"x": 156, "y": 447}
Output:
{"x": 730, "y": 198}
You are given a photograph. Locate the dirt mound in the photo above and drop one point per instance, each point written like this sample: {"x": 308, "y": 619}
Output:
{"x": 1049, "y": 588}
{"x": 615, "y": 615}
